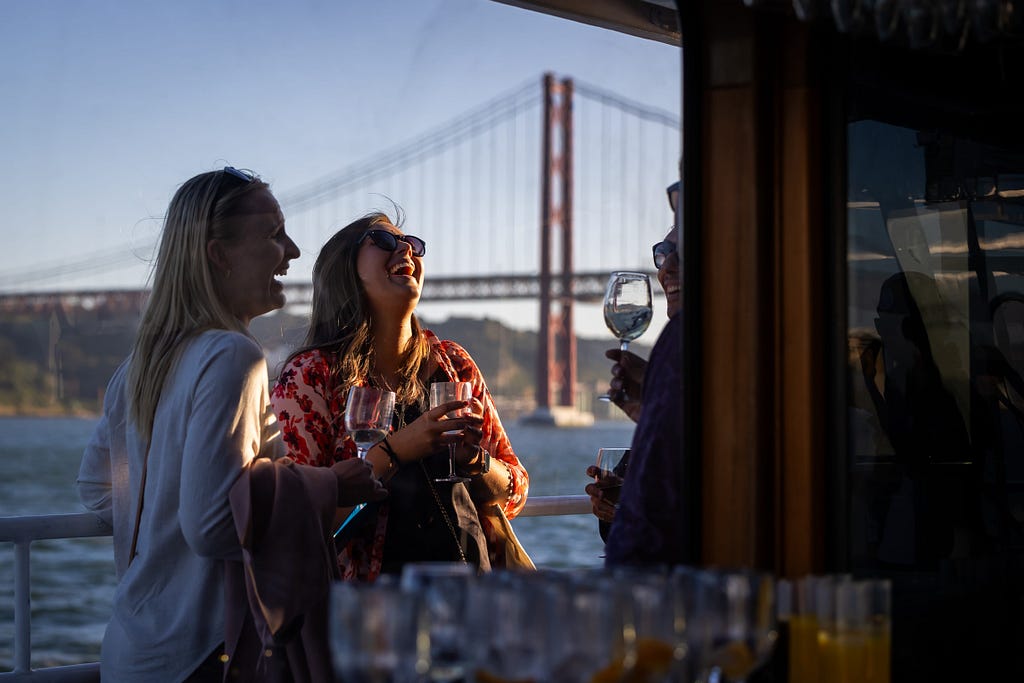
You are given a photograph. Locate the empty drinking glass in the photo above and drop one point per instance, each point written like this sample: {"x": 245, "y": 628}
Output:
{"x": 438, "y": 592}
{"x": 446, "y": 392}
{"x": 371, "y": 631}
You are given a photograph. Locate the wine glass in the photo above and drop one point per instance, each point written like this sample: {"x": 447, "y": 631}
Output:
{"x": 607, "y": 459}
{"x": 368, "y": 416}
{"x": 445, "y": 392}
{"x": 372, "y": 630}
{"x": 517, "y": 646}
{"x": 368, "y": 413}
{"x": 734, "y": 628}
{"x": 439, "y": 593}
{"x": 627, "y": 307}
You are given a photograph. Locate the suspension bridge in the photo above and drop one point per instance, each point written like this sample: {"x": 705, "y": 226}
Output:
{"x": 537, "y": 194}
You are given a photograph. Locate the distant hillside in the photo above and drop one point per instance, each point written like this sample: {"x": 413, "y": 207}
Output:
{"x": 60, "y": 363}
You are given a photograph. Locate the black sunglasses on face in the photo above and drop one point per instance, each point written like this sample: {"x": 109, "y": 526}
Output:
{"x": 388, "y": 241}
{"x": 662, "y": 250}
{"x": 673, "y": 195}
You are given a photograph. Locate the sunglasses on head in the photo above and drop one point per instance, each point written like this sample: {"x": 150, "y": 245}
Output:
{"x": 673, "y": 195}
{"x": 662, "y": 250}
{"x": 235, "y": 175}
{"x": 388, "y": 241}
{"x": 243, "y": 174}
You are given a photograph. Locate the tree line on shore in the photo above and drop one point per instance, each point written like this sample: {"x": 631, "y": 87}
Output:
{"x": 59, "y": 362}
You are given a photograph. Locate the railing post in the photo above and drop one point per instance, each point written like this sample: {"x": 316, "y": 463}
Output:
{"x": 22, "y": 608}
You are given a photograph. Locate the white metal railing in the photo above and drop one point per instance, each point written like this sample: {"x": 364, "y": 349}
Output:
{"x": 22, "y": 531}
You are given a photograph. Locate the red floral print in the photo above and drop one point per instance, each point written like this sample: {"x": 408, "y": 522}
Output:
{"x": 311, "y": 412}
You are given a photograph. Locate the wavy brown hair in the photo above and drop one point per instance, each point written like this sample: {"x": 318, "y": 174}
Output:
{"x": 183, "y": 301}
{"x": 340, "y": 323}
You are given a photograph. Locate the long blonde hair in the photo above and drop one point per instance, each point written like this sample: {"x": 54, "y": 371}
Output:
{"x": 340, "y": 321}
{"x": 183, "y": 301}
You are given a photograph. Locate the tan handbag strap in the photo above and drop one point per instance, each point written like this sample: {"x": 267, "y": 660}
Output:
{"x": 138, "y": 508}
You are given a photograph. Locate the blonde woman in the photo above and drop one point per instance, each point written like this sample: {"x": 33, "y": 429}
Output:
{"x": 183, "y": 415}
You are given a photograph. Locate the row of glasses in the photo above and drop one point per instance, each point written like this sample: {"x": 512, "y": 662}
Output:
{"x": 839, "y": 628}
{"x": 441, "y": 623}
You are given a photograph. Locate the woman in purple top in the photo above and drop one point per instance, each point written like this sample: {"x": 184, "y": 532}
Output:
{"x": 627, "y": 384}
{"x": 648, "y": 525}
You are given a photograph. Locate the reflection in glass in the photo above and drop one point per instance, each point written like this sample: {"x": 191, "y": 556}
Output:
{"x": 935, "y": 320}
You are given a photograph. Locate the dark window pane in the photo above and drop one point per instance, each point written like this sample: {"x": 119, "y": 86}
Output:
{"x": 935, "y": 467}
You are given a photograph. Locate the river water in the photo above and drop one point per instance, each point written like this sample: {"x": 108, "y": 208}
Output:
{"x": 73, "y": 580}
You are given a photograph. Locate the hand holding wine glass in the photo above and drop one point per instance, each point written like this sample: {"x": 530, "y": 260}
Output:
{"x": 607, "y": 487}
{"x": 368, "y": 416}
{"x": 368, "y": 413}
{"x": 626, "y": 386}
{"x": 446, "y": 392}
{"x": 627, "y": 307}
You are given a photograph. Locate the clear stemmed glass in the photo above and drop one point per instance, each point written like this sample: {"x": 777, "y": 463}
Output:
{"x": 439, "y": 592}
{"x": 368, "y": 416}
{"x": 368, "y": 413}
{"x": 518, "y": 645}
{"x": 627, "y": 307}
{"x": 607, "y": 459}
{"x": 733, "y": 627}
{"x": 445, "y": 392}
{"x": 372, "y": 631}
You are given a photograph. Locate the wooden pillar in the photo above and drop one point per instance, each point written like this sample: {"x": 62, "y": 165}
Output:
{"x": 761, "y": 295}
{"x": 801, "y": 326}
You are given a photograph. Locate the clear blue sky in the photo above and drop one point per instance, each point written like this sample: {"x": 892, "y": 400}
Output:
{"x": 109, "y": 105}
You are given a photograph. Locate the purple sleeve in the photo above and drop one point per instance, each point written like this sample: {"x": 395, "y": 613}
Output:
{"x": 649, "y": 526}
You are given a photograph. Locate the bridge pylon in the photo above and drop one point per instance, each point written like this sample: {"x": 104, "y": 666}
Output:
{"x": 556, "y": 348}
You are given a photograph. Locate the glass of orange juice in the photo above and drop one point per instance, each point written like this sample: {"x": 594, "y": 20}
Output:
{"x": 803, "y": 632}
{"x": 854, "y": 642}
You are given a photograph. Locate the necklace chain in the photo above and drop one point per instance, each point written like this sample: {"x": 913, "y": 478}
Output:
{"x": 399, "y": 407}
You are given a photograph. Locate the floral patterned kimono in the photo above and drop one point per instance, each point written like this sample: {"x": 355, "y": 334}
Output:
{"x": 311, "y": 412}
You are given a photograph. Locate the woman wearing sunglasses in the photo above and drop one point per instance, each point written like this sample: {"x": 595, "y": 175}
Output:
{"x": 627, "y": 383}
{"x": 366, "y": 284}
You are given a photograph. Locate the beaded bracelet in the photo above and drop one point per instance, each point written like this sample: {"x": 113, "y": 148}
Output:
{"x": 511, "y": 483}
{"x": 386, "y": 447}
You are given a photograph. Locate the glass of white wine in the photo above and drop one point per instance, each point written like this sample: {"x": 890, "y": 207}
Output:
{"x": 368, "y": 412}
{"x": 445, "y": 392}
{"x": 627, "y": 307}
{"x": 368, "y": 416}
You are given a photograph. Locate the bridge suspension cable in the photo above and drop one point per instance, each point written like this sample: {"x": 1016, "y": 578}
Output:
{"x": 416, "y": 150}
{"x": 481, "y": 168}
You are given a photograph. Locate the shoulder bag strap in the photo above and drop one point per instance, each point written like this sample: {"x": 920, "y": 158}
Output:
{"x": 444, "y": 513}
